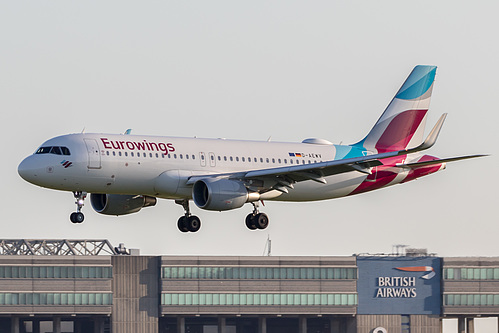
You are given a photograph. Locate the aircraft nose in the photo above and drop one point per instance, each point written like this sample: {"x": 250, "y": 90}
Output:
{"x": 28, "y": 170}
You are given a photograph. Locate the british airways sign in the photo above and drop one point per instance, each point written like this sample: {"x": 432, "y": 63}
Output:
{"x": 399, "y": 285}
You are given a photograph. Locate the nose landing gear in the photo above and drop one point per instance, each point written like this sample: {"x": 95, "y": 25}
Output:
{"x": 78, "y": 217}
{"x": 187, "y": 222}
{"x": 257, "y": 220}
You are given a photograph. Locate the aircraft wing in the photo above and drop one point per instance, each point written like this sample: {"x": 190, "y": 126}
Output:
{"x": 317, "y": 171}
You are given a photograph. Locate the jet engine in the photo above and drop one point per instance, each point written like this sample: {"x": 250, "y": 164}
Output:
{"x": 220, "y": 194}
{"x": 118, "y": 204}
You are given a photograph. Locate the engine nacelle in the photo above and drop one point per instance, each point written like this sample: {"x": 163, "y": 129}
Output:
{"x": 219, "y": 194}
{"x": 118, "y": 204}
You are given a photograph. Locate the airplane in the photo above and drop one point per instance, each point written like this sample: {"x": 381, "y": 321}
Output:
{"x": 125, "y": 173}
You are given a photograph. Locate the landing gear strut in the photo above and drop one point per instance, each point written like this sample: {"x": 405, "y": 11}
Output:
{"x": 187, "y": 222}
{"x": 257, "y": 220}
{"x": 78, "y": 217}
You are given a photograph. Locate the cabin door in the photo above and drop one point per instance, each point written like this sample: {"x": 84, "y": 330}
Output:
{"x": 94, "y": 161}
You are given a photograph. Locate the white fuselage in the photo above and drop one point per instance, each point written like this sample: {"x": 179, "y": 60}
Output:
{"x": 160, "y": 166}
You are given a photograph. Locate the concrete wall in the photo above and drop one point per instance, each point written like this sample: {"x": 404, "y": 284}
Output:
{"x": 258, "y": 285}
{"x": 136, "y": 294}
{"x": 470, "y": 286}
{"x": 55, "y": 285}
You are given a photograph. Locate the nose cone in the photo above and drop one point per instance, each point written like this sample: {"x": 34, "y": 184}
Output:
{"x": 28, "y": 170}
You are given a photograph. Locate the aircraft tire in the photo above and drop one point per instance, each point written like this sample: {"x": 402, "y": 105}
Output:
{"x": 261, "y": 221}
{"x": 182, "y": 225}
{"x": 250, "y": 222}
{"x": 193, "y": 223}
{"x": 77, "y": 217}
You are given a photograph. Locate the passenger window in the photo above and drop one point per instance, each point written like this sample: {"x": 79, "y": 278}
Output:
{"x": 225, "y": 158}
{"x": 145, "y": 155}
{"x": 126, "y": 154}
{"x": 157, "y": 155}
{"x": 237, "y": 159}
{"x": 107, "y": 153}
{"x": 181, "y": 156}
{"x": 131, "y": 154}
{"x": 273, "y": 160}
{"x": 231, "y": 159}
{"x": 279, "y": 161}
{"x": 193, "y": 156}
{"x": 242, "y": 159}
{"x": 267, "y": 160}
{"x": 285, "y": 161}
{"x": 175, "y": 156}
{"x": 219, "y": 158}
{"x": 119, "y": 153}
{"x": 114, "y": 153}
{"x": 290, "y": 161}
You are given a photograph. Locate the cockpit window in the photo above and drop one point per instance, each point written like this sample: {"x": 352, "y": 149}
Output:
{"x": 43, "y": 150}
{"x": 53, "y": 150}
{"x": 65, "y": 151}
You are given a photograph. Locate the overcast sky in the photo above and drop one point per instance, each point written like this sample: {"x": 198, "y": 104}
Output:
{"x": 286, "y": 69}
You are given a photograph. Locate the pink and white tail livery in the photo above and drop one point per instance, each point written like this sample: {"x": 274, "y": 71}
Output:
{"x": 402, "y": 124}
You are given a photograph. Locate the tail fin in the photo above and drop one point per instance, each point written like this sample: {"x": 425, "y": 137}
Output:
{"x": 402, "y": 124}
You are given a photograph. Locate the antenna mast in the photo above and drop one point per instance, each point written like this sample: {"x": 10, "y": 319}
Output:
{"x": 268, "y": 247}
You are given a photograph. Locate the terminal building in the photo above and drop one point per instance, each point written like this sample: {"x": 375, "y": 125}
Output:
{"x": 75, "y": 286}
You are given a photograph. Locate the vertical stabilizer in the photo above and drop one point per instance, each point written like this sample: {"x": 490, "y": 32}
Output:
{"x": 402, "y": 124}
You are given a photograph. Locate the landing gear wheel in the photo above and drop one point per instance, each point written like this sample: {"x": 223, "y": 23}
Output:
{"x": 261, "y": 221}
{"x": 193, "y": 223}
{"x": 187, "y": 222}
{"x": 77, "y": 217}
{"x": 257, "y": 220}
{"x": 250, "y": 222}
{"x": 182, "y": 224}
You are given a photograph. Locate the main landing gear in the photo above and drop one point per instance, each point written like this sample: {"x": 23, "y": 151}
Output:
{"x": 187, "y": 222}
{"x": 192, "y": 223}
{"x": 78, "y": 217}
{"x": 257, "y": 220}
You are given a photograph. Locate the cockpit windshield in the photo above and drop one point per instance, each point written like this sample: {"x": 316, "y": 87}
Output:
{"x": 53, "y": 150}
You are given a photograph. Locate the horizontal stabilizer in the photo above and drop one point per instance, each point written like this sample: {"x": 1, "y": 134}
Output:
{"x": 439, "y": 161}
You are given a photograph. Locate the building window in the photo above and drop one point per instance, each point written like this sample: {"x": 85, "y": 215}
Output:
{"x": 55, "y": 272}
{"x": 56, "y": 299}
{"x": 471, "y": 300}
{"x": 467, "y": 273}
{"x": 260, "y": 273}
{"x": 259, "y": 299}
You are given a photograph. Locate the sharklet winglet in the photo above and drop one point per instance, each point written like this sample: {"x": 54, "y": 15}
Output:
{"x": 430, "y": 140}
